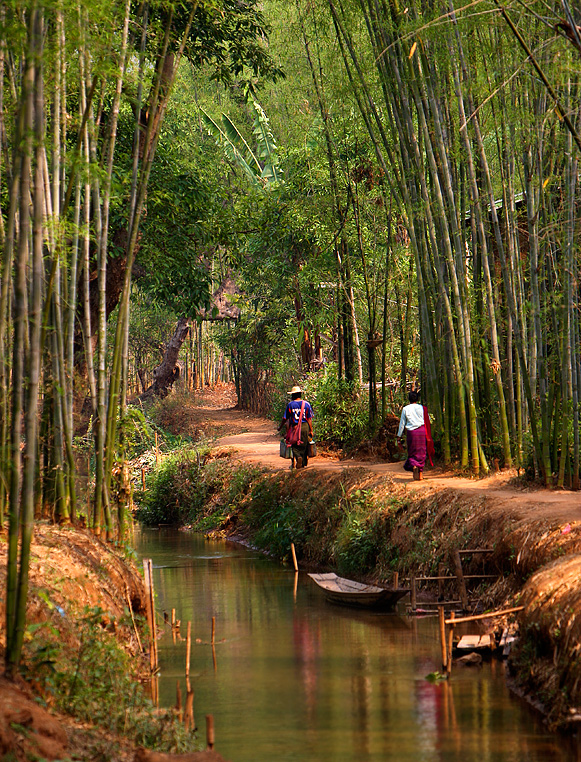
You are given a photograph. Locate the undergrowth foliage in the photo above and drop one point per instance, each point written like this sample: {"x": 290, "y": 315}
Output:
{"x": 97, "y": 682}
{"x": 336, "y": 527}
{"x": 341, "y": 416}
{"x": 191, "y": 488}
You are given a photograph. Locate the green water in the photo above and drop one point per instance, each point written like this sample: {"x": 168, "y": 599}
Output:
{"x": 292, "y": 677}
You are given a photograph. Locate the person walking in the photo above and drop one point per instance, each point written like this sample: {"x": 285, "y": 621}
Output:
{"x": 416, "y": 422}
{"x": 298, "y": 419}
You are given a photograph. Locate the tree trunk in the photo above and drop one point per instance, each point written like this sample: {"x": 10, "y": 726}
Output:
{"x": 167, "y": 371}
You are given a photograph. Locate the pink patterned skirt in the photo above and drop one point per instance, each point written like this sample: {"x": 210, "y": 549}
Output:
{"x": 417, "y": 449}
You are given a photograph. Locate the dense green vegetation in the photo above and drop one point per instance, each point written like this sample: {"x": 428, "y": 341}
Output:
{"x": 336, "y": 192}
{"x": 93, "y": 679}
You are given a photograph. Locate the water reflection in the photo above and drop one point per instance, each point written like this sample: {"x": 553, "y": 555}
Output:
{"x": 290, "y": 677}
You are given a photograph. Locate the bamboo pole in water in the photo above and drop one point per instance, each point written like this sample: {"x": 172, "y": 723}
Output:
{"x": 210, "y": 736}
{"x": 150, "y": 601}
{"x": 188, "y": 648}
{"x": 442, "y": 624}
{"x": 295, "y": 564}
{"x": 213, "y": 629}
{"x": 189, "y": 710}
{"x": 450, "y": 643}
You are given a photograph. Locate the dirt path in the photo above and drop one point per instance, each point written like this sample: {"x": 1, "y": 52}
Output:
{"x": 255, "y": 440}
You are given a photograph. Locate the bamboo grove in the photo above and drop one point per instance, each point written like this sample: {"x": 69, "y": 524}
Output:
{"x": 441, "y": 173}
{"x": 472, "y": 111}
{"x": 84, "y": 89}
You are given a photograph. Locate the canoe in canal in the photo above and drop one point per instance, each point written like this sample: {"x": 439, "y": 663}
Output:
{"x": 350, "y": 593}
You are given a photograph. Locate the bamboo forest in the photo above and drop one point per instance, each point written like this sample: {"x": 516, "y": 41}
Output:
{"x": 352, "y": 198}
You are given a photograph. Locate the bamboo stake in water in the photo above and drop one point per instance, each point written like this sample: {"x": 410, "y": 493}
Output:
{"x": 450, "y": 643}
{"x": 295, "y": 563}
{"x": 188, "y": 648}
{"x": 213, "y": 629}
{"x": 210, "y": 732}
{"x": 189, "y": 710}
{"x": 150, "y": 606}
{"x": 443, "y": 637}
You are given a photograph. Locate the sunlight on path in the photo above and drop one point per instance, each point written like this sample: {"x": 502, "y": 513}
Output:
{"x": 261, "y": 446}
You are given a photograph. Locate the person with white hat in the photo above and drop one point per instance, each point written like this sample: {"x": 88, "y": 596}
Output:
{"x": 298, "y": 418}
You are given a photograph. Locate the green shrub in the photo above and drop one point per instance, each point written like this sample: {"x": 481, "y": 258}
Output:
{"x": 340, "y": 407}
{"x": 189, "y": 489}
{"x": 97, "y": 682}
{"x": 174, "y": 490}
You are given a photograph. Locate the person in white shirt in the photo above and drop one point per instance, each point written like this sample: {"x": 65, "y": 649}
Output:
{"x": 412, "y": 420}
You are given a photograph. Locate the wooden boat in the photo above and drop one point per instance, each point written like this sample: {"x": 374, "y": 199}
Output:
{"x": 349, "y": 593}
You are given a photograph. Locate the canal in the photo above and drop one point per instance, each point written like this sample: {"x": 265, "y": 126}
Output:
{"x": 291, "y": 677}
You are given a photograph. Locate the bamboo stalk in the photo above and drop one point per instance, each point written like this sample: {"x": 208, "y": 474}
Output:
{"x": 188, "y": 647}
{"x": 489, "y": 615}
{"x": 210, "y": 735}
{"x": 442, "y": 626}
{"x": 294, "y": 555}
{"x": 450, "y": 643}
{"x": 149, "y": 613}
{"x": 189, "y": 708}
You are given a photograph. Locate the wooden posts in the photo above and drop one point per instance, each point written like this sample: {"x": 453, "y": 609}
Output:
{"x": 210, "y": 738}
{"x": 213, "y": 629}
{"x": 156, "y": 450}
{"x": 189, "y": 708}
{"x": 395, "y": 582}
{"x": 143, "y": 479}
{"x": 444, "y": 650}
{"x": 150, "y": 602}
{"x": 188, "y": 648}
{"x": 294, "y": 555}
{"x": 450, "y": 644}
{"x": 413, "y": 591}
